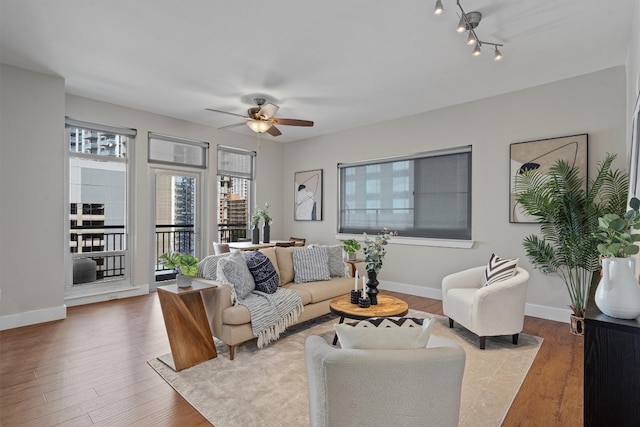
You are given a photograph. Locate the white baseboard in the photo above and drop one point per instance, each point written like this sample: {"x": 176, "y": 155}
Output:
{"x": 419, "y": 291}
{"x": 32, "y": 317}
{"x": 106, "y": 295}
{"x": 534, "y": 310}
{"x": 549, "y": 313}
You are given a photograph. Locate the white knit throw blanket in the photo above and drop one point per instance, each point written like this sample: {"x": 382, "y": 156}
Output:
{"x": 272, "y": 314}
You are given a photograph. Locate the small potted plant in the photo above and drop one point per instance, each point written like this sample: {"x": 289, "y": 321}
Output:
{"x": 351, "y": 246}
{"x": 185, "y": 265}
{"x": 618, "y": 293}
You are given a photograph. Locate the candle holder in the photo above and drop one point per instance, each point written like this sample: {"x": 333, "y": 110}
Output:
{"x": 355, "y": 297}
{"x": 364, "y": 302}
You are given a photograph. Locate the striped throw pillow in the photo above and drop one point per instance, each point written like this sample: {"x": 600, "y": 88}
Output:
{"x": 499, "y": 269}
{"x": 337, "y": 267}
{"x": 310, "y": 265}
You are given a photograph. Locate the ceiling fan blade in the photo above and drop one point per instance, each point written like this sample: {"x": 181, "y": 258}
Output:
{"x": 274, "y": 131}
{"x": 268, "y": 110}
{"x": 235, "y": 125}
{"x": 292, "y": 122}
{"x": 226, "y": 112}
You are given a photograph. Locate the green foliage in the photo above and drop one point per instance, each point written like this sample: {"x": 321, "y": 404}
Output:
{"x": 185, "y": 264}
{"x": 615, "y": 232}
{"x": 568, "y": 217}
{"x": 374, "y": 250}
{"x": 351, "y": 246}
{"x": 261, "y": 213}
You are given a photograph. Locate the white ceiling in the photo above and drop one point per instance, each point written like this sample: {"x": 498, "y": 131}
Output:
{"x": 341, "y": 63}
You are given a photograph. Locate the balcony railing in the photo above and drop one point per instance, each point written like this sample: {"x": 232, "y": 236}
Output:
{"x": 97, "y": 241}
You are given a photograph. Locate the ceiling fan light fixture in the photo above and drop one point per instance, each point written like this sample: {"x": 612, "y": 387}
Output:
{"x": 438, "y": 9}
{"x": 259, "y": 126}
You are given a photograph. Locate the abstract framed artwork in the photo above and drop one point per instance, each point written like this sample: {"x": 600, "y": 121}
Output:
{"x": 541, "y": 155}
{"x": 308, "y": 195}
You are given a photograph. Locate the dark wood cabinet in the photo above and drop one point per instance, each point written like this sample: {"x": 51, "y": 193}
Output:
{"x": 611, "y": 369}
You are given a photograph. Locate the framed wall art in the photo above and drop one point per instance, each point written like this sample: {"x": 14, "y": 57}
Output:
{"x": 541, "y": 155}
{"x": 307, "y": 187}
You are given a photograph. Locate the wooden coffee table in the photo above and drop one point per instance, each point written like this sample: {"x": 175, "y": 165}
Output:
{"x": 387, "y": 306}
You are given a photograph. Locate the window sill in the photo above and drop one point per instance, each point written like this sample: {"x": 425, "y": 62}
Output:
{"x": 416, "y": 241}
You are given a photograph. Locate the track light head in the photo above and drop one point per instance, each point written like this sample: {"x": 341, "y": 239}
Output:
{"x": 438, "y": 9}
{"x": 476, "y": 50}
{"x": 497, "y": 55}
{"x": 471, "y": 40}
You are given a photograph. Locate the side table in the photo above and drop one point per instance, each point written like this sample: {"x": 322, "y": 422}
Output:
{"x": 185, "y": 319}
{"x": 352, "y": 265}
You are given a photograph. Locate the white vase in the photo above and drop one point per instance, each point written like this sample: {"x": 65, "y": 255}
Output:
{"x": 618, "y": 293}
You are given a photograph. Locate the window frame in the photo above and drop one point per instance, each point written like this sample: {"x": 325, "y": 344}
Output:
{"x": 460, "y": 237}
{"x": 83, "y": 289}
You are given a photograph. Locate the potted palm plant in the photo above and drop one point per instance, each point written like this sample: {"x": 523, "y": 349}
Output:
{"x": 618, "y": 293}
{"x": 568, "y": 212}
{"x": 186, "y": 266}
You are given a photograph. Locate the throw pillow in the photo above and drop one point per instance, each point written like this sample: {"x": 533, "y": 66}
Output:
{"x": 337, "y": 266}
{"x": 388, "y": 333}
{"x": 499, "y": 269}
{"x": 310, "y": 265}
{"x": 208, "y": 267}
{"x": 264, "y": 275}
{"x": 233, "y": 270}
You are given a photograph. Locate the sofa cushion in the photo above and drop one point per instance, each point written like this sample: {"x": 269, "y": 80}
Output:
{"x": 499, "y": 269}
{"x": 337, "y": 266}
{"x": 395, "y": 333}
{"x": 326, "y": 289}
{"x": 310, "y": 264}
{"x": 264, "y": 275}
{"x": 285, "y": 264}
{"x": 304, "y": 293}
{"x": 233, "y": 270}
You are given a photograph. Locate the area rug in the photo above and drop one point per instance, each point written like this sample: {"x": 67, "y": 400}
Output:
{"x": 268, "y": 387}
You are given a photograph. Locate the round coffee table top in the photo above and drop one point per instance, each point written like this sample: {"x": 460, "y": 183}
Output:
{"x": 387, "y": 306}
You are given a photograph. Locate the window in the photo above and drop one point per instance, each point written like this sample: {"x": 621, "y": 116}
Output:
{"x": 235, "y": 179}
{"x": 425, "y": 195}
{"x": 98, "y": 209}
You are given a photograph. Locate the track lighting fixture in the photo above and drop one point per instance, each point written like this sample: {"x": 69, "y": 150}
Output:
{"x": 469, "y": 22}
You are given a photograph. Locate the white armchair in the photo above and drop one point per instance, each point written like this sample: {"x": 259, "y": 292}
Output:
{"x": 497, "y": 309}
{"x": 373, "y": 388}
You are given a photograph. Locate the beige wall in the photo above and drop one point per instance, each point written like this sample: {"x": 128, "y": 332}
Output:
{"x": 593, "y": 104}
{"x": 31, "y": 189}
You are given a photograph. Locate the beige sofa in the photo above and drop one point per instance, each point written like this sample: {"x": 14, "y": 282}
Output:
{"x": 232, "y": 323}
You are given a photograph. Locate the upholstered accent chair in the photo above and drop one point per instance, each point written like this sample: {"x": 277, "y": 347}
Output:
{"x": 349, "y": 387}
{"x": 492, "y": 310}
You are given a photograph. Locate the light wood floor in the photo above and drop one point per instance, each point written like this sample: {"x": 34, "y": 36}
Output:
{"x": 90, "y": 369}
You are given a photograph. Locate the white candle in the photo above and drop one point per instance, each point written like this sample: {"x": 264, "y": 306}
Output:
{"x": 364, "y": 295}
{"x": 356, "y": 282}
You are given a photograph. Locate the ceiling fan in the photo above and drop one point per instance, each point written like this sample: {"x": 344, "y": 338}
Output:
{"x": 260, "y": 119}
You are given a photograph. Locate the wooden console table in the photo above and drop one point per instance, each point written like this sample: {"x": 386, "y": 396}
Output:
{"x": 611, "y": 369}
{"x": 185, "y": 319}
